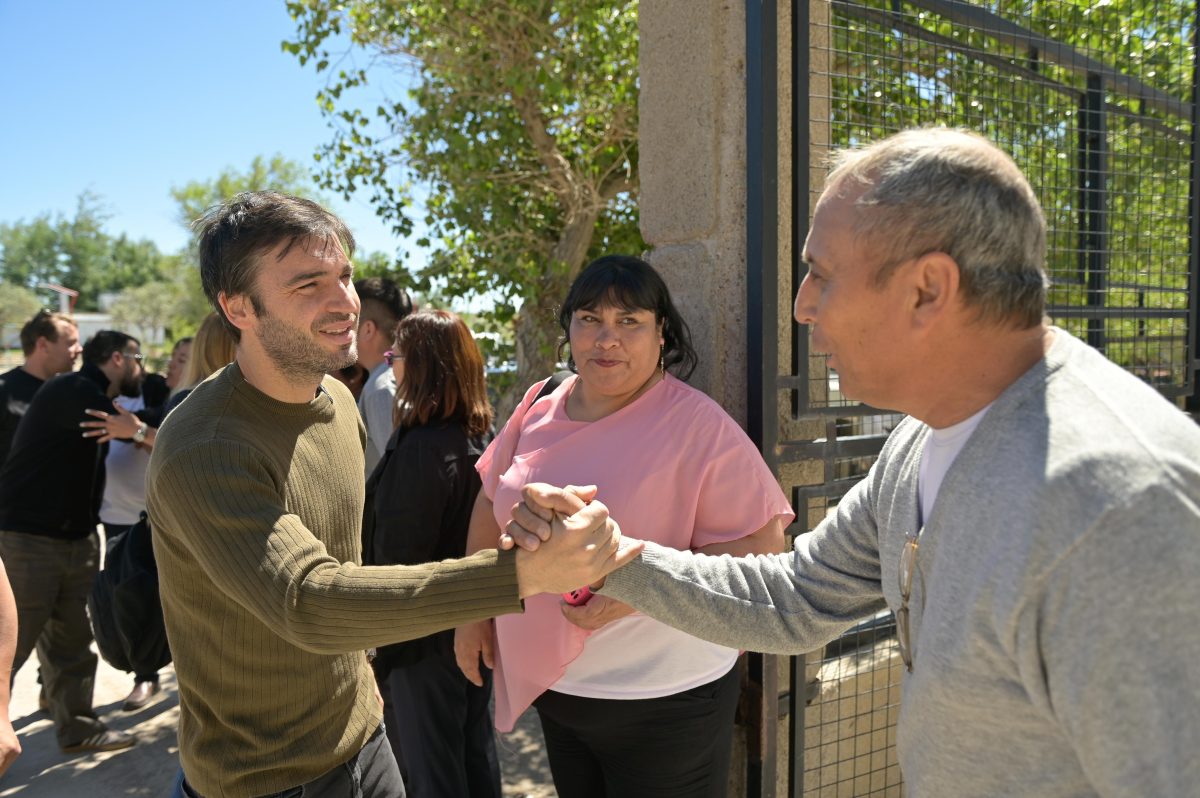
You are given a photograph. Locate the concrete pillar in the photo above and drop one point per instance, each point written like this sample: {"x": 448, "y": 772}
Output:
{"x": 692, "y": 146}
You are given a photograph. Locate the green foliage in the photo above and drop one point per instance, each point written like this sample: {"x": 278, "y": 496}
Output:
{"x": 141, "y": 310}
{"x": 379, "y": 264}
{"x": 522, "y": 124}
{"x": 17, "y": 304}
{"x": 76, "y": 253}
{"x": 894, "y": 66}
{"x": 276, "y": 173}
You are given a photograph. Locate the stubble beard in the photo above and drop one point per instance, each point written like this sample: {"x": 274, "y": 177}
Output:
{"x": 131, "y": 389}
{"x": 295, "y": 355}
{"x": 130, "y": 385}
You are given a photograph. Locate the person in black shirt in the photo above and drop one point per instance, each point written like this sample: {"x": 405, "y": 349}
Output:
{"x": 50, "y": 491}
{"x": 50, "y": 343}
{"x": 421, "y": 495}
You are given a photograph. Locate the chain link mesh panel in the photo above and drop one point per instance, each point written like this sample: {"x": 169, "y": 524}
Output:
{"x": 1094, "y": 102}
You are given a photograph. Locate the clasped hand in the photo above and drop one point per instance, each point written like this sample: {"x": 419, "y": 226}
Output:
{"x": 564, "y": 539}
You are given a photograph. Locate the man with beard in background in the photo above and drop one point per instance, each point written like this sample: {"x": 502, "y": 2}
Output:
{"x": 50, "y": 491}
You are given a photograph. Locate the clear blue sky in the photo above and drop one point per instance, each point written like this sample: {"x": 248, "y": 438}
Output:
{"x": 129, "y": 98}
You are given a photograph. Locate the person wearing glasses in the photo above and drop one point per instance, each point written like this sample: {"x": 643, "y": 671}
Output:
{"x": 1034, "y": 523}
{"x": 50, "y": 492}
{"x": 421, "y": 494}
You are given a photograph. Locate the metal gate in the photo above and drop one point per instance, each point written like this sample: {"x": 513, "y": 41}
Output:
{"x": 1095, "y": 101}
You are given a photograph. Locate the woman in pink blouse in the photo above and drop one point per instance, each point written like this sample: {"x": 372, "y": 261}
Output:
{"x": 629, "y": 706}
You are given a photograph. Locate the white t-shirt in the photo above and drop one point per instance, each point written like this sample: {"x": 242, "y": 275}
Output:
{"x": 667, "y": 661}
{"x": 941, "y": 447}
{"x": 125, "y": 475}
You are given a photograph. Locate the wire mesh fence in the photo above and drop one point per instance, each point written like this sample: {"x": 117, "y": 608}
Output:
{"x": 1094, "y": 102}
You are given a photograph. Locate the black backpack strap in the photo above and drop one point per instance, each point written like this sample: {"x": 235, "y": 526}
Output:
{"x": 556, "y": 379}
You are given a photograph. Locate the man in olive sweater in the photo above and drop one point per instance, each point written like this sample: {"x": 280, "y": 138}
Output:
{"x": 255, "y": 493}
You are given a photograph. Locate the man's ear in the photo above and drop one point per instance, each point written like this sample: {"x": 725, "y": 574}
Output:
{"x": 238, "y": 309}
{"x": 936, "y": 283}
{"x": 366, "y": 328}
{"x": 112, "y": 359}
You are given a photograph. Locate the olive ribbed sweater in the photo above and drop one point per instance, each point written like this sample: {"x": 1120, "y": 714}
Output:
{"x": 256, "y": 508}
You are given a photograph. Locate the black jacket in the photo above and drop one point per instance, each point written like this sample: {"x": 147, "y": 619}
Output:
{"x": 17, "y": 388}
{"x": 53, "y": 480}
{"x": 125, "y": 607}
{"x": 419, "y": 501}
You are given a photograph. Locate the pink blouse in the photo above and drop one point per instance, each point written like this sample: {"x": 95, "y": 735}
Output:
{"x": 671, "y": 466}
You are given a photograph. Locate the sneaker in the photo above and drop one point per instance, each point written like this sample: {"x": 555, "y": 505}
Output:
{"x": 140, "y": 695}
{"x": 107, "y": 740}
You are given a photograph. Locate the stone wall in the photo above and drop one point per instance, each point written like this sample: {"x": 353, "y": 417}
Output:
{"x": 692, "y": 147}
{"x": 693, "y": 215}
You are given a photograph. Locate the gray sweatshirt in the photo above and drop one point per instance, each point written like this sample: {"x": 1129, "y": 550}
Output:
{"x": 1056, "y": 605}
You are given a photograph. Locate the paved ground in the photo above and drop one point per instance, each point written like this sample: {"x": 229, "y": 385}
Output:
{"x": 148, "y": 769}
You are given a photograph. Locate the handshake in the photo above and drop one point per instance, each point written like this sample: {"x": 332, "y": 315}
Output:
{"x": 564, "y": 540}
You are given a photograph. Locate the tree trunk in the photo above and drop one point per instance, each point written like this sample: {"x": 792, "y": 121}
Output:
{"x": 536, "y": 327}
{"x": 537, "y": 335}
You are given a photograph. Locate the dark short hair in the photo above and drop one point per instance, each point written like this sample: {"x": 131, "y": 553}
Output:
{"x": 42, "y": 325}
{"x": 630, "y": 283}
{"x": 443, "y": 373}
{"x": 232, "y": 236}
{"x": 383, "y": 302}
{"x": 100, "y": 347}
{"x": 187, "y": 339}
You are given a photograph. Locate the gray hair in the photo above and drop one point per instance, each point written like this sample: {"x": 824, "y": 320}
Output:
{"x": 952, "y": 191}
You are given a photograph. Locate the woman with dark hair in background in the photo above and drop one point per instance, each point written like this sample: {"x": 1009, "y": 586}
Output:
{"x": 629, "y": 707}
{"x": 421, "y": 494}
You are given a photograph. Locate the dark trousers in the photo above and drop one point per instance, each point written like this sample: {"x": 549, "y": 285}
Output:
{"x": 51, "y": 580}
{"x": 676, "y": 746}
{"x": 371, "y": 773}
{"x": 111, "y": 531}
{"x": 393, "y": 736}
{"x": 444, "y": 729}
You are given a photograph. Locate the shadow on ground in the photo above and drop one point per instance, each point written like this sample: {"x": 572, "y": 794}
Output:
{"x": 149, "y": 768}
{"x": 523, "y": 766}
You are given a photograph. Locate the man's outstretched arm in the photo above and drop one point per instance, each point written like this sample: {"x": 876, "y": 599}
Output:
{"x": 783, "y": 603}
{"x": 237, "y": 531}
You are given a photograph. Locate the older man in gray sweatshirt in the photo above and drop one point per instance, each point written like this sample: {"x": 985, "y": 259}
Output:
{"x": 1034, "y": 524}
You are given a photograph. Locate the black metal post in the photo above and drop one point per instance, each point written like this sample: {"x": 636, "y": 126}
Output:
{"x": 761, "y": 215}
{"x": 1093, "y": 187}
{"x": 801, "y": 179}
{"x": 762, "y": 248}
{"x": 1192, "y": 362}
